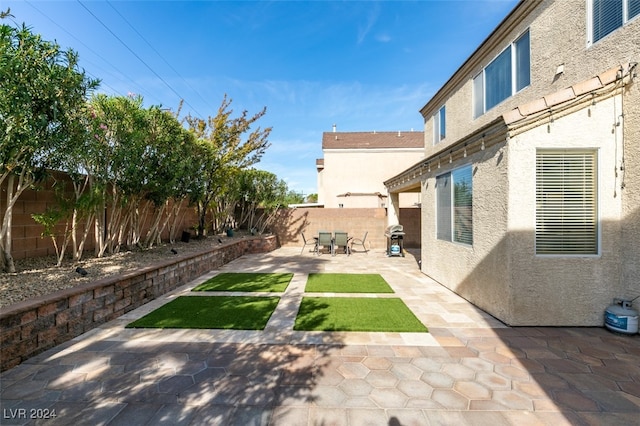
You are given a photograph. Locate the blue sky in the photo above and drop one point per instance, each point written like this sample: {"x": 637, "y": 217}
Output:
{"x": 362, "y": 65}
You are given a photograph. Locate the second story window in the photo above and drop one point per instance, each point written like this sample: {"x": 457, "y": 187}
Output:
{"x": 609, "y": 15}
{"x": 439, "y": 125}
{"x": 507, "y": 74}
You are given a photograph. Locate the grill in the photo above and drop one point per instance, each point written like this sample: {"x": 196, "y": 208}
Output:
{"x": 395, "y": 236}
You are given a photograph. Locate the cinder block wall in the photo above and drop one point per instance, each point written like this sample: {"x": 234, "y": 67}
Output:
{"x": 26, "y": 233}
{"x": 355, "y": 221}
{"x": 30, "y": 327}
{"x": 411, "y": 219}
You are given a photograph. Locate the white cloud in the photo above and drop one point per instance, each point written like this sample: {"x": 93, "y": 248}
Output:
{"x": 383, "y": 38}
{"x": 372, "y": 18}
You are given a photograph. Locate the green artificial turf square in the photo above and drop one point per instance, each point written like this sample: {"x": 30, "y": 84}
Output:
{"x": 356, "y": 314}
{"x": 347, "y": 283}
{"x": 245, "y": 281}
{"x": 221, "y": 312}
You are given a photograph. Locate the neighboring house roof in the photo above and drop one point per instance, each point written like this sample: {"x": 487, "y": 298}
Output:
{"x": 571, "y": 93}
{"x": 372, "y": 140}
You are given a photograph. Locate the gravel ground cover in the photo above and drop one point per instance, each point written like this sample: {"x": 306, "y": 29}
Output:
{"x": 39, "y": 276}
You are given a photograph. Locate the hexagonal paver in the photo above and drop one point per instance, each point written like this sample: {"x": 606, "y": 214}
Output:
{"x": 415, "y": 388}
{"x": 388, "y": 398}
{"x": 512, "y": 372}
{"x": 353, "y": 370}
{"x": 427, "y": 364}
{"x": 377, "y": 363}
{"x": 472, "y": 390}
{"x": 495, "y": 358}
{"x": 530, "y": 389}
{"x": 170, "y": 360}
{"x": 175, "y": 384}
{"x": 406, "y": 371}
{"x": 513, "y": 400}
{"x": 575, "y": 401}
{"x": 458, "y": 371}
{"x": 477, "y": 364}
{"x": 329, "y": 376}
{"x": 356, "y": 387}
{"x": 493, "y": 381}
{"x": 328, "y": 396}
{"x": 438, "y": 380}
{"x": 381, "y": 379}
{"x": 450, "y": 399}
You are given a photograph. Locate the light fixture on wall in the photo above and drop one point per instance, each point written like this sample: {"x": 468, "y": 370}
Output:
{"x": 450, "y": 157}
{"x": 429, "y": 167}
{"x": 465, "y": 151}
{"x": 482, "y": 144}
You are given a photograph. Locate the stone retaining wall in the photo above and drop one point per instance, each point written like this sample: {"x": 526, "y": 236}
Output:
{"x": 30, "y": 327}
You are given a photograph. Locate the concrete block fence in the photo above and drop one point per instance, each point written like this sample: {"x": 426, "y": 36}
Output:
{"x": 30, "y": 327}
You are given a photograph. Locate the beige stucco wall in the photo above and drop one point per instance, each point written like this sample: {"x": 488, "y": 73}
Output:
{"x": 630, "y": 176}
{"x": 501, "y": 273}
{"x": 565, "y": 290}
{"x": 363, "y": 171}
{"x": 480, "y": 272}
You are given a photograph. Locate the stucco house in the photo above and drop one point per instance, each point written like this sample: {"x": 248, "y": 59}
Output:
{"x": 355, "y": 165}
{"x": 531, "y": 180}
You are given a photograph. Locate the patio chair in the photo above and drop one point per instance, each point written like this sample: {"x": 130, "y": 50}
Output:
{"x": 360, "y": 242}
{"x": 324, "y": 241}
{"x": 341, "y": 239}
{"x": 313, "y": 242}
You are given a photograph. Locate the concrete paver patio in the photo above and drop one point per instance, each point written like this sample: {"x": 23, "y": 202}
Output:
{"x": 470, "y": 369}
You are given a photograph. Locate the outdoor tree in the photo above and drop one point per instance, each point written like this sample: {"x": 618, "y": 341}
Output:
{"x": 294, "y": 197}
{"x": 119, "y": 174}
{"x": 169, "y": 171}
{"x": 224, "y": 145}
{"x": 259, "y": 195}
{"x": 42, "y": 93}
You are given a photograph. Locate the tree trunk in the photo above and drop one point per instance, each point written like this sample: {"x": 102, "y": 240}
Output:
{"x": 6, "y": 259}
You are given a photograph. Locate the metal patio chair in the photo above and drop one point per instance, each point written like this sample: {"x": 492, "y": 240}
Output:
{"x": 313, "y": 242}
{"x": 324, "y": 241}
{"x": 341, "y": 239}
{"x": 361, "y": 242}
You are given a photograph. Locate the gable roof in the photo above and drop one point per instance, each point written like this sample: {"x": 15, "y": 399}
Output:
{"x": 372, "y": 140}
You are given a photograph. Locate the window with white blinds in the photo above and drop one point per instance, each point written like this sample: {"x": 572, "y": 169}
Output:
{"x": 609, "y": 15}
{"x": 566, "y": 202}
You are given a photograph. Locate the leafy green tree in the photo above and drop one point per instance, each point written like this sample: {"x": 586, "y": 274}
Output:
{"x": 294, "y": 197}
{"x": 225, "y": 145}
{"x": 169, "y": 168}
{"x": 259, "y": 195}
{"x": 42, "y": 94}
{"x": 312, "y": 198}
{"x": 119, "y": 169}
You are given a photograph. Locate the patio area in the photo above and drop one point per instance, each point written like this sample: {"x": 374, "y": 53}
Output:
{"x": 469, "y": 369}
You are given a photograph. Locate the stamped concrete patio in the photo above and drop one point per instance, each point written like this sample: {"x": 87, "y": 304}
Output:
{"x": 470, "y": 369}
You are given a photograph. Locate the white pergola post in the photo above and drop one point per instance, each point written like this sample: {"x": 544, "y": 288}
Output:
{"x": 393, "y": 210}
